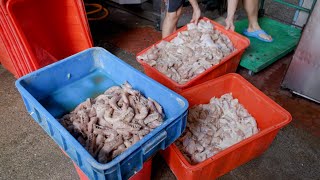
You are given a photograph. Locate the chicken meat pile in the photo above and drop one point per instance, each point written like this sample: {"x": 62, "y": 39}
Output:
{"x": 190, "y": 53}
{"x": 214, "y": 127}
{"x": 112, "y": 122}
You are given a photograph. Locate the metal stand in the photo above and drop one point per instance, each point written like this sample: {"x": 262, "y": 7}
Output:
{"x": 261, "y": 9}
{"x": 302, "y": 76}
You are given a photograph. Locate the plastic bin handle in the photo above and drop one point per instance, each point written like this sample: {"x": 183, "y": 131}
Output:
{"x": 154, "y": 142}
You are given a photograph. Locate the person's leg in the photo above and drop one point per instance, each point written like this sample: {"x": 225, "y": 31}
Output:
{"x": 179, "y": 11}
{"x": 172, "y": 16}
{"x": 252, "y": 8}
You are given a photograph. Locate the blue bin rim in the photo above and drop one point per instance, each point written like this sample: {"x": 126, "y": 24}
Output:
{"x": 74, "y": 143}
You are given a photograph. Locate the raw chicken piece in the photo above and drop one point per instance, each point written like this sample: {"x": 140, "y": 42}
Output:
{"x": 177, "y": 41}
{"x": 205, "y": 26}
{"x": 162, "y": 44}
{"x": 207, "y": 40}
{"x": 192, "y": 26}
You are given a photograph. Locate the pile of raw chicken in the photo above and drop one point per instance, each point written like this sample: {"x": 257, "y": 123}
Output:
{"x": 214, "y": 127}
{"x": 190, "y": 53}
{"x": 112, "y": 122}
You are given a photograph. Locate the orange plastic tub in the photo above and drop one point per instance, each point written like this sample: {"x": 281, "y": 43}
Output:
{"x": 144, "y": 174}
{"x": 270, "y": 118}
{"x": 228, "y": 64}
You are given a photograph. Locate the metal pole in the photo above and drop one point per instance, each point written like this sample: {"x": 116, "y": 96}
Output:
{"x": 261, "y": 9}
{"x": 293, "y": 6}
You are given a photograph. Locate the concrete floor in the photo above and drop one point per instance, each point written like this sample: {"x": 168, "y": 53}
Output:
{"x": 27, "y": 152}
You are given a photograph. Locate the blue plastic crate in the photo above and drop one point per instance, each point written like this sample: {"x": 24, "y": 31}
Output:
{"x": 57, "y": 89}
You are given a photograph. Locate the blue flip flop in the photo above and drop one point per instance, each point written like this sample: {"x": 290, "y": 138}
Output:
{"x": 256, "y": 34}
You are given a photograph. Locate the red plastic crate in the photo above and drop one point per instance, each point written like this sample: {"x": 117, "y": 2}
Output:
{"x": 270, "y": 118}
{"x": 228, "y": 64}
{"x": 143, "y": 174}
{"x": 43, "y": 32}
{"x": 4, "y": 56}
{"x": 8, "y": 50}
